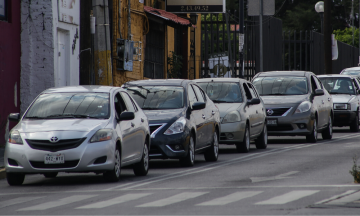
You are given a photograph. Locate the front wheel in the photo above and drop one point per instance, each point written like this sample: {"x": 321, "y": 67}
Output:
{"x": 354, "y": 127}
{"x": 142, "y": 168}
{"x": 312, "y": 138}
{"x": 261, "y": 142}
{"x": 213, "y": 153}
{"x": 328, "y": 132}
{"x": 244, "y": 146}
{"x": 114, "y": 175}
{"x": 188, "y": 161}
{"x": 14, "y": 179}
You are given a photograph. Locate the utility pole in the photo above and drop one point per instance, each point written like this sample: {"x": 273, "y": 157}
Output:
{"x": 327, "y": 37}
{"x": 102, "y": 43}
{"x": 231, "y": 65}
{"x": 241, "y": 29}
{"x": 261, "y": 36}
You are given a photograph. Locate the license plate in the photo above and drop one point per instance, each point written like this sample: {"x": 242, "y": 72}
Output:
{"x": 272, "y": 122}
{"x": 54, "y": 159}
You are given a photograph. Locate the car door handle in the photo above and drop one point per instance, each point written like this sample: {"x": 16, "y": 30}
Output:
{"x": 213, "y": 112}
{"x": 322, "y": 101}
{"x": 132, "y": 124}
{"x": 142, "y": 120}
{"x": 203, "y": 116}
{"x": 329, "y": 99}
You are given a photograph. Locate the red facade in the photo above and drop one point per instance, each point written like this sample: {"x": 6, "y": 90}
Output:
{"x": 10, "y": 53}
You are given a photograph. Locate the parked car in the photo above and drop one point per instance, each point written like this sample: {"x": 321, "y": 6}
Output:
{"x": 296, "y": 104}
{"x": 345, "y": 92}
{"x": 242, "y": 112}
{"x": 354, "y": 71}
{"x": 78, "y": 129}
{"x": 183, "y": 120}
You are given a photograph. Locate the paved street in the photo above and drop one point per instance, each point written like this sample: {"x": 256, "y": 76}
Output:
{"x": 290, "y": 177}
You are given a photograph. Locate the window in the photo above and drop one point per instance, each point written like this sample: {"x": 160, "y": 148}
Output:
{"x": 253, "y": 91}
{"x": 129, "y": 103}
{"x": 4, "y": 10}
{"x": 247, "y": 92}
{"x": 199, "y": 93}
{"x": 288, "y": 85}
{"x": 222, "y": 92}
{"x": 313, "y": 84}
{"x": 192, "y": 96}
{"x": 119, "y": 104}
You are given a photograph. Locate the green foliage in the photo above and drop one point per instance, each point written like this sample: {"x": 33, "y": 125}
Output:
{"x": 355, "y": 171}
{"x": 345, "y": 36}
{"x": 174, "y": 65}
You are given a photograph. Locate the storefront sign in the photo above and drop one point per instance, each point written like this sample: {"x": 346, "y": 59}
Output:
{"x": 69, "y": 11}
{"x": 196, "y": 6}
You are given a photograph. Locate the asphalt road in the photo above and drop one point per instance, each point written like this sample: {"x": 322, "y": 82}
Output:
{"x": 290, "y": 177}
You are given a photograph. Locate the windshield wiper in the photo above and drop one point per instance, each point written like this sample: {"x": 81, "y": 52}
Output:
{"x": 149, "y": 108}
{"x": 70, "y": 116}
{"x": 222, "y": 101}
{"x": 34, "y": 117}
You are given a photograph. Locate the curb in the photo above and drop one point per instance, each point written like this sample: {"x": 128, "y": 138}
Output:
{"x": 2, "y": 173}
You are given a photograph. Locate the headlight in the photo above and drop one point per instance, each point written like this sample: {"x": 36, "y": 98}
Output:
{"x": 342, "y": 106}
{"x": 303, "y": 107}
{"x": 177, "y": 127}
{"x": 15, "y": 138}
{"x": 231, "y": 117}
{"x": 102, "y": 135}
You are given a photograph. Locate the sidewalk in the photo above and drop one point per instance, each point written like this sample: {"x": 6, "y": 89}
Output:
{"x": 2, "y": 151}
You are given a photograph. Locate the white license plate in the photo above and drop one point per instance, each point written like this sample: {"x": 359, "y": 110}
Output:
{"x": 54, "y": 159}
{"x": 272, "y": 122}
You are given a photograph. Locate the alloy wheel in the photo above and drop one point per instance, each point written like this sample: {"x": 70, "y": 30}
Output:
{"x": 146, "y": 157}
{"x": 191, "y": 150}
{"x": 117, "y": 163}
{"x": 216, "y": 144}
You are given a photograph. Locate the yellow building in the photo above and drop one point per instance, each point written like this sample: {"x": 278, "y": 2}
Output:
{"x": 158, "y": 33}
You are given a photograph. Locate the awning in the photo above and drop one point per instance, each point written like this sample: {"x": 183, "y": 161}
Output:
{"x": 168, "y": 16}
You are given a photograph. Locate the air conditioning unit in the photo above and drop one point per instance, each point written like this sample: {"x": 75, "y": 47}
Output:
{"x": 125, "y": 54}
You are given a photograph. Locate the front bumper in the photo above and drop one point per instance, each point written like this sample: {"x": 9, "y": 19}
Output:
{"x": 344, "y": 118}
{"x": 80, "y": 159}
{"x": 232, "y": 133}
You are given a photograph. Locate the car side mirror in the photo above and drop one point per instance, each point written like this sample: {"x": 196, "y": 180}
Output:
{"x": 254, "y": 101}
{"x": 198, "y": 106}
{"x": 14, "y": 117}
{"x": 319, "y": 92}
{"x": 126, "y": 116}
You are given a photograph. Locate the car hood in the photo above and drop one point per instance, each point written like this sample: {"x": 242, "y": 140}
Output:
{"x": 283, "y": 99}
{"x": 81, "y": 125}
{"x": 341, "y": 98}
{"x": 225, "y": 108}
{"x": 163, "y": 115}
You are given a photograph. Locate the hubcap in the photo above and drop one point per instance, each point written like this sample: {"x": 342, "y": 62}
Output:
{"x": 247, "y": 139}
{"x": 146, "y": 157}
{"x": 191, "y": 150}
{"x": 117, "y": 163}
{"x": 216, "y": 144}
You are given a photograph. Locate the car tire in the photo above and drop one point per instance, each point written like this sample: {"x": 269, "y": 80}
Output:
{"x": 142, "y": 168}
{"x": 213, "y": 153}
{"x": 328, "y": 131}
{"x": 14, "y": 179}
{"x": 114, "y": 175}
{"x": 261, "y": 142}
{"x": 354, "y": 127}
{"x": 51, "y": 175}
{"x": 188, "y": 161}
{"x": 244, "y": 146}
{"x": 312, "y": 138}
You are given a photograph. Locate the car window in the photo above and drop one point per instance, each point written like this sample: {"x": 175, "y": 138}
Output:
{"x": 338, "y": 85}
{"x": 128, "y": 102}
{"x": 351, "y": 72}
{"x": 356, "y": 85}
{"x": 253, "y": 91}
{"x": 199, "y": 93}
{"x": 288, "y": 85}
{"x": 192, "y": 96}
{"x": 313, "y": 84}
{"x": 247, "y": 92}
{"x": 222, "y": 92}
{"x": 318, "y": 83}
{"x": 119, "y": 104}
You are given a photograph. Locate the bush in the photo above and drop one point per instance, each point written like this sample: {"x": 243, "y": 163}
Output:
{"x": 355, "y": 171}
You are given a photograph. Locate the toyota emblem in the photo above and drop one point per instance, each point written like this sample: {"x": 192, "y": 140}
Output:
{"x": 270, "y": 112}
{"x": 54, "y": 139}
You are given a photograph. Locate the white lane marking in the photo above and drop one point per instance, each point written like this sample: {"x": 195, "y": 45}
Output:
{"x": 230, "y": 198}
{"x": 15, "y": 201}
{"x": 114, "y": 201}
{"x": 288, "y": 197}
{"x": 335, "y": 197}
{"x": 57, "y": 203}
{"x": 346, "y": 199}
{"x": 174, "y": 199}
{"x": 281, "y": 176}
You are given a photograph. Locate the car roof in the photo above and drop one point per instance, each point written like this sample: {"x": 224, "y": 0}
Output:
{"x": 82, "y": 88}
{"x": 337, "y": 75}
{"x": 220, "y": 79}
{"x": 351, "y": 68}
{"x": 159, "y": 82}
{"x": 284, "y": 73}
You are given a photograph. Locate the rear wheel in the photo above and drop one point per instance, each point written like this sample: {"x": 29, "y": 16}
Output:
{"x": 261, "y": 142}
{"x": 50, "y": 175}
{"x": 188, "y": 161}
{"x": 142, "y": 168}
{"x": 14, "y": 179}
{"x": 114, "y": 175}
{"x": 213, "y": 153}
{"x": 244, "y": 146}
{"x": 312, "y": 138}
{"x": 328, "y": 132}
{"x": 354, "y": 127}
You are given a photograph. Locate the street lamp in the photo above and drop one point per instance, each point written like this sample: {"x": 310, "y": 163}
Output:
{"x": 319, "y": 7}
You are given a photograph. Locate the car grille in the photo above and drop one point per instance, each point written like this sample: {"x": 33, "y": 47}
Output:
{"x": 277, "y": 111}
{"x": 281, "y": 127}
{"x": 42, "y": 165}
{"x": 46, "y": 145}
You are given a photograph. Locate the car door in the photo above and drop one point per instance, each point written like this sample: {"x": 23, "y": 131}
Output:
{"x": 261, "y": 114}
{"x": 258, "y": 124}
{"x": 249, "y": 110}
{"x": 198, "y": 117}
{"x": 326, "y": 100}
{"x": 319, "y": 103}
{"x": 137, "y": 134}
{"x": 209, "y": 118}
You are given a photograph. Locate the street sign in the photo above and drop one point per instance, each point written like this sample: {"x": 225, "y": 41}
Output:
{"x": 196, "y": 6}
{"x": 254, "y": 7}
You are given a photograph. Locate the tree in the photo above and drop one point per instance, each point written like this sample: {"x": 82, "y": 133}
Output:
{"x": 345, "y": 36}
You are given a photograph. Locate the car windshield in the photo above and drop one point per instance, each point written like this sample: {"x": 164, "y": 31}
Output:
{"x": 222, "y": 92}
{"x": 351, "y": 72}
{"x": 158, "y": 97}
{"x": 70, "y": 105}
{"x": 281, "y": 85}
{"x": 338, "y": 85}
